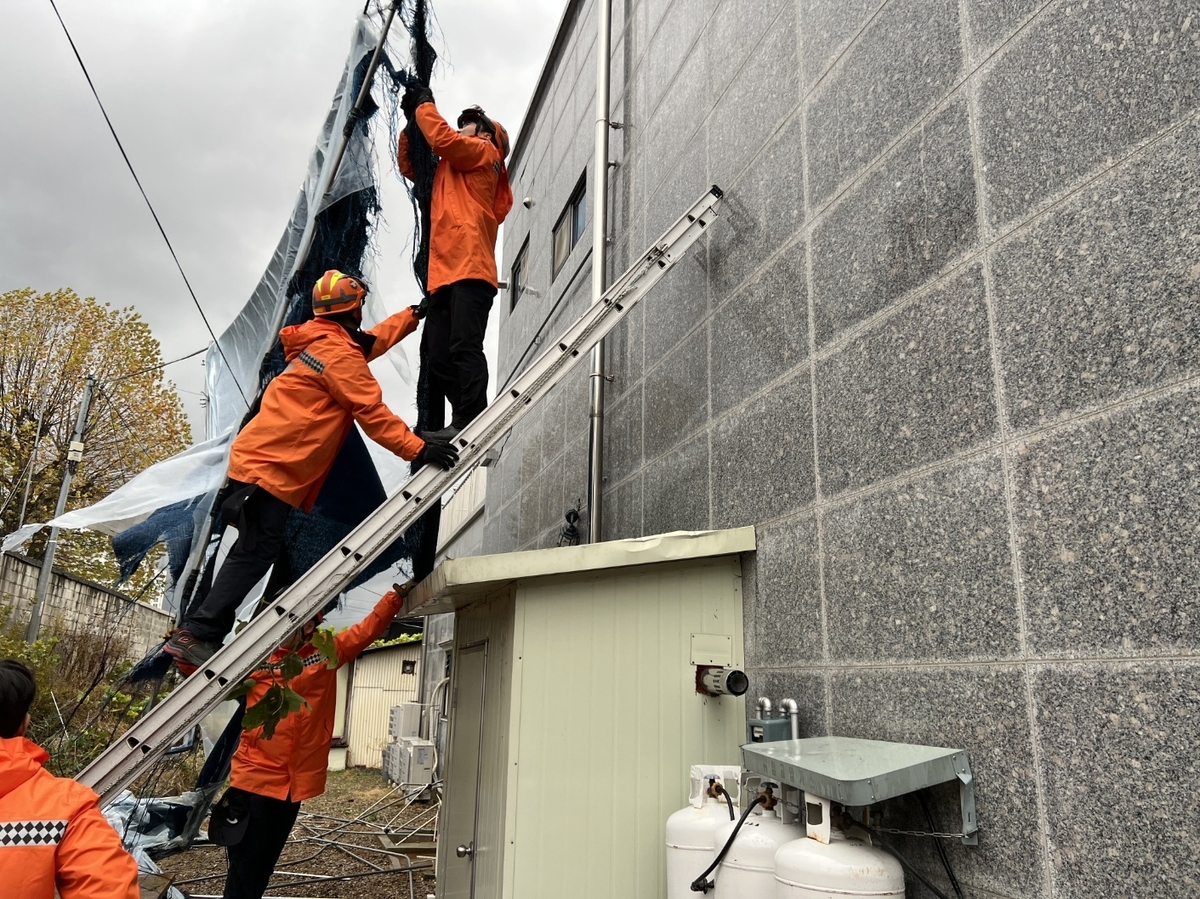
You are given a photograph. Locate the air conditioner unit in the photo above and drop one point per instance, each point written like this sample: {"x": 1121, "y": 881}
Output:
{"x": 394, "y": 761}
{"x": 416, "y": 760}
{"x": 404, "y": 720}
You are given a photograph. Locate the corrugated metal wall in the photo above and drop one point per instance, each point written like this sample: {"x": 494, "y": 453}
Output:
{"x": 377, "y": 683}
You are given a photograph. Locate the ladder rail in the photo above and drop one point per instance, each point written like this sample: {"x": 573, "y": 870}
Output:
{"x": 146, "y": 741}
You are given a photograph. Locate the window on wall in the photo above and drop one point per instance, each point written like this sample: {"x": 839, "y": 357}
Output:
{"x": 570, "y": 225}
{"x": 519, "y": 278}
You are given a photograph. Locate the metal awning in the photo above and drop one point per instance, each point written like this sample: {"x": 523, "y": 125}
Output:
{"x": 857, "y": 772}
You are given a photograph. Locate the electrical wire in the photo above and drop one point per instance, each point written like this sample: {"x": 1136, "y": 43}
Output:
{"x": 149, "y": 205}
{"x": 940, "y": 847}
{"x": 142, "y": 371}
{"x": 908, "y": 866}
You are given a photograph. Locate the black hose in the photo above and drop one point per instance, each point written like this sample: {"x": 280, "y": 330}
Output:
{"x": 720, "y": 790}
{"x": 701, "y": 883}
{"x": 903, "y": 861}
{"x": 940, "y": 848}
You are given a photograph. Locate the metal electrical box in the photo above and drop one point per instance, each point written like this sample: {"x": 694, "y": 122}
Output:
{"x": 574, "y": 711}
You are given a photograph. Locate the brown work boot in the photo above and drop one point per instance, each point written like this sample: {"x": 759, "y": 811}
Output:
{"x": 188, "y": 652}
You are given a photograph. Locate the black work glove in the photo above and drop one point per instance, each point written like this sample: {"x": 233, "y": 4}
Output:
{"x": 421, "y": 310}
{"x": 443, "y": 455}
{"x": 414, "y": 96}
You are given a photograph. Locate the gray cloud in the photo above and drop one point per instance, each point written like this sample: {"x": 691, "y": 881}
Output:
{"x": 217, "y": 104}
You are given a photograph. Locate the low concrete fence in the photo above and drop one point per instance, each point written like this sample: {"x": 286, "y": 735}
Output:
{"x": 78, "y": 605}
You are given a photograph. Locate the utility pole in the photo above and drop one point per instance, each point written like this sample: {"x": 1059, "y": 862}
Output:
{"x": 74, "y": 454}
{"x": 37, "y": 439}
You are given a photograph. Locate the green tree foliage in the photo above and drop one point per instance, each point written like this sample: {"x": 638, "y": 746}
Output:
{"x": 50, "y": 342}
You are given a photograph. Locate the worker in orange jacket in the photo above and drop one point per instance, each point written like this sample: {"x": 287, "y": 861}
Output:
{"x": 281, "y": 457}
{"x": 52, "y": 834}
{"x": 471, "y": 197}
{"x": 270, "y": 777}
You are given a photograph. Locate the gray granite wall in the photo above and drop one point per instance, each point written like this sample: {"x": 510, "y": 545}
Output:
{"x": 943, "y": 350}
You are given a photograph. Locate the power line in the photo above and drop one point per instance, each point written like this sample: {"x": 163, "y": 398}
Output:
{"x": 149, "y": 205}
{"x": 142, "y": 371}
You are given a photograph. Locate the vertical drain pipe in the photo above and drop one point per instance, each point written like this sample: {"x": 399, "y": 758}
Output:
{"x": 599, "y": 271}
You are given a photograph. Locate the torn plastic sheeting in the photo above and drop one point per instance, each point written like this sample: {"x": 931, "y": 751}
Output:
{"x": 192, "y": 473}
{"x": 251, "y": 335}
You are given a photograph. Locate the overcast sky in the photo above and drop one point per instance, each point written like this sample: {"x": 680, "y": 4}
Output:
{"x": 218, "y": 104}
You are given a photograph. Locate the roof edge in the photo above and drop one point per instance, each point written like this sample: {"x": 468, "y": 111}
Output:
{"x": 539, "y": 92}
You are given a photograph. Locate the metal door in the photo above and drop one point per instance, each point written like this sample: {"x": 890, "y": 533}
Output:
{"x": 462, "y": 771}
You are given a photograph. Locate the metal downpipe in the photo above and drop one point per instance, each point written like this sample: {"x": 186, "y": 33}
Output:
{"x": 599, "y": 272}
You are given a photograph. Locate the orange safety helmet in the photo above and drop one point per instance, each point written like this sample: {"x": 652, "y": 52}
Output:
{"x": 337, "y": 292}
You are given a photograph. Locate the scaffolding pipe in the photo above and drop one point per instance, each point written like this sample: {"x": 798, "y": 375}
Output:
{"x": 599, "y": 272}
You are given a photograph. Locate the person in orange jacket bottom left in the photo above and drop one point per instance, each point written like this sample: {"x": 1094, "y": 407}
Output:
{"x": 52, "y": 834}
{"x": 270, "y": 777}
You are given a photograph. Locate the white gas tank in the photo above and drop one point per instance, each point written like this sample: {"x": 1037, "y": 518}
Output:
{"x": 748, "y": 871}
{"x": 806, "y": 869}
{"x": 690, "y": 830}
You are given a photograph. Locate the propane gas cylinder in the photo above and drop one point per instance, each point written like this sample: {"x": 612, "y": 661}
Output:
{"x": 806, "y": 869}
{"x": 748, "y": 870}
{"x": 690, "y": 830}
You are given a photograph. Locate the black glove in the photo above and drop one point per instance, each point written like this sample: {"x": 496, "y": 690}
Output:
{"x": 414, "y": 96}
{"x": 421, "y": 310}
{"x": 443, "y": 455}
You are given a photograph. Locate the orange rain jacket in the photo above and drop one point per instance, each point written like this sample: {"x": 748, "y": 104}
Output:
{"x": 308, "y": 410}
{"x": 53, "y": 836}
{"x": 471, "y": 197}
{"x": 293, "y": 762}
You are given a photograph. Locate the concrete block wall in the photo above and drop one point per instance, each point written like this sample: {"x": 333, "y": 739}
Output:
{"x": 943, "y": 350}
{"x": 81, "y": 606}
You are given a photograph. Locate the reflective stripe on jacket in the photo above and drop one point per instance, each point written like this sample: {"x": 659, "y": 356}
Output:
{"x": 294, "y": 761}
{"x": 53, "y": 836}
{"x": 471, "y": 198}
{"x": 308, "y": 409}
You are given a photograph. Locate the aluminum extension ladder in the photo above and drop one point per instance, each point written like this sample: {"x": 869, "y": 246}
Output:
{"x": 140, "y": 746}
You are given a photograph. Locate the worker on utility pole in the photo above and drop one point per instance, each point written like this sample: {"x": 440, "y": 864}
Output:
{"x": 280, "y": 458}
{"x": 270, "y": 777}
{"x": 471, "y": 197}
{"x": 53, "y": 838}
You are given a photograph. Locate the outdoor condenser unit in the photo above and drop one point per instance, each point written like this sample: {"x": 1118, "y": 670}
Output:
{"x": 404, "y": 720}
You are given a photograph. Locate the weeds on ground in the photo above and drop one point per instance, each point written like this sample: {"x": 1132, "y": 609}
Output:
{"x": 83, "y": 702}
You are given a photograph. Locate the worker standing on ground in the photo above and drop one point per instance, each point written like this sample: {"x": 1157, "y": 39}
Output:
{"x": 471, "y": 197}
{"x": 281, "y": 457}
{"x": 269, "y": 778}
{"x": 52, "y": 834}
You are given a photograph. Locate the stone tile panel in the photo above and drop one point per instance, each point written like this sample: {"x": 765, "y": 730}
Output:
{"x": 762, "y": 332}
{"x": 675, "y": 490}
{"x": 982, "y": 710}
{"x": 1107, "y": 514}
{"x": 1101, "y": 297}
{"x": 906, "y": 60}
{"x": 787, "y": 602}
{"x": 915, "y": 389}
{"x": 923, "y": 572}
{"x": 898, "y": 227}
{"x": 1122, "y": 785}
{"x": 1084, "y": 83}
{"x": 762, "y": 457}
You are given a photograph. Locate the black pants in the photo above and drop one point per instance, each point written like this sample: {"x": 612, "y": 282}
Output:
{"x": 260, "y": 519}
{"x": 454, "y": 327}
{"x": 252, "y": 860}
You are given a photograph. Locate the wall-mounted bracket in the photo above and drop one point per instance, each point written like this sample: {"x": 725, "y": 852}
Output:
{"x": 858, "y": 772}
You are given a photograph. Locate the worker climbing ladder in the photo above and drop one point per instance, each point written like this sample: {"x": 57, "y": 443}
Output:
{"x": 146, "y": 741}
